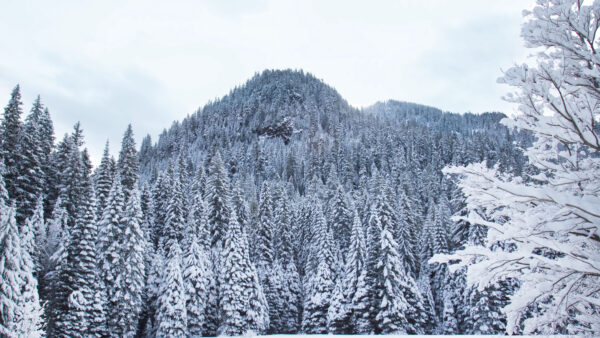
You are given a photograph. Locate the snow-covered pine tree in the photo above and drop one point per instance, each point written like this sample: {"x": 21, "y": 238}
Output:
{"x": 11, "y": 133}
{"x": 197, "y": 276}
{"x": 40, "y": 233}
{"x": 103, "y": 180}
{"x": 290, "y": 310}
{"x": 31, "y": 181}
{"x": 218, "y": 198}
{"x": 21, "y": 311}
{"x": 171, "y": 314}
{"x": 242, "y": 306}
{"x": 128, "y": 163}
{"x": 174, "y": 226}
{"x": 320, "y": 282}
{"x": 82, "y": 272}
{"x": 340, "y": 310}
{"x": 131, "y": 267}
{"x": 392, "y": 306}
{"x": 110, "y": 230}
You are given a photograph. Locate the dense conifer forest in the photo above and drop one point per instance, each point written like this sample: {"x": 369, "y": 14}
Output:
{"x": 278, "y": 209}
{"x": 281, "y": 209}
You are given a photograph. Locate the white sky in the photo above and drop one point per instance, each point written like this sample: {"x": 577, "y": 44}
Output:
{"x": 109, "y": 63}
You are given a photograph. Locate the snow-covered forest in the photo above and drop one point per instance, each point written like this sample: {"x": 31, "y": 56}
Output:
{"x": 281, "y": 209}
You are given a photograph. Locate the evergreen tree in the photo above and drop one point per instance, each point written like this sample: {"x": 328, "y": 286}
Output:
{"x": 173, "y": 229}
{"x": 20, "y": 313}
{"x": 82, "y": 272}
{"x": 128, "y": 164}
{"x": 196, "y": 277}
{"x": 393, "y": 307}
{"x": 11, "y": 133}
{"x": 103, "y": 180}
{"x": 171, "y": 315}
{"x": 110, "y": 229}
{"x": 263, "y": 240}
{"x": 218, "y": 199}
{"x": 131, "y": 266}
{"x": 242, "y": 305}
{"x": 31, "y": 180}
{"x": 320, "y": 282}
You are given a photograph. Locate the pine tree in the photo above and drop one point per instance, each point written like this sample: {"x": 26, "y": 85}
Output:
{"x": 171, "y": 315}
{"x": 131, "y": 266}
{"x": 110, "y": 229}
{"x": 103, "y": 180}
{"x": 196, "y": 277}
{"x": 128, "y": 164}
{"x": 263, "y": 240}
{"x": 355, "y": 275}
{"x": 320, "y": 282}
{"x": 392, "y": 305}
{"x": 40, "y": 233}
{"x": 21, "y": 311}
{"x": 173, "y": 229}
{"x": 11, "y": 133}
{"x": 54, "y": 286}
{"x": 31, "y": 180}
{"x": 218, "y": 199}
{"x": 242, "y": 305}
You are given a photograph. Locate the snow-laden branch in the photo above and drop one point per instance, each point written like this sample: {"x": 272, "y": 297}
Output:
{"x": 544, "y": 231}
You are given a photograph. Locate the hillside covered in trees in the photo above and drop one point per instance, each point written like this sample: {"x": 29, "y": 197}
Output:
{"x": 276, "y": 209}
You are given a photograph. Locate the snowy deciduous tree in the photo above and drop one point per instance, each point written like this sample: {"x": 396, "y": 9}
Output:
{"x": 549, "y": 222}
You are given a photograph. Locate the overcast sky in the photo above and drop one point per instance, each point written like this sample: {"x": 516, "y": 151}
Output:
{"x": 110, "y": 63}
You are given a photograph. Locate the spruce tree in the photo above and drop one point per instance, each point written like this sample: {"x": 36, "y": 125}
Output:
{"x": 11, "y": 133}
{"x": 110, "y": 229}
{"x": 392, "y": 306}
{"x": 31, "y": 180}
{"x": 196, "y": 277}
{"x": 320, "y": 282}
{"x": 21, "y": 311}
{"x": 128, "y": 164}
{"x": 131, "y": 266}
{"x": 218, "y": 199}
{"x": 174, "y": 226}
{"x": 242, "y": 305}
{"x": 171, "y": 315}
{"x": 103, "y": 180}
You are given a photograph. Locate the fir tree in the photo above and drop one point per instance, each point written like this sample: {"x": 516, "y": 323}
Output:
{"x": 320, "y": 282}
{"x": 21, "y": 311}
{"x": 110, "y": 231}
{"x": 128, "y": 164}
{"x": 173, "y": 229}
{"x": 131, "y": 267}
{"x": 196, "y": 277}
{"x": 171, "y": 315}
{"x": 103, "y": 180}
{"x": 31, "y": 180}
{"x": 82, "y": 272}
{"x": 242, "y": 305}
{"x": 218, "y": 199}
{"x": 11, "y": 133}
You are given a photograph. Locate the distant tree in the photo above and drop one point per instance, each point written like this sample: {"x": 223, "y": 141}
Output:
{"x": 128, "y": 163}
{"x": 218, "y": 198}
{"x": 103, "y": 180}
{"x": 11, "y": 133}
